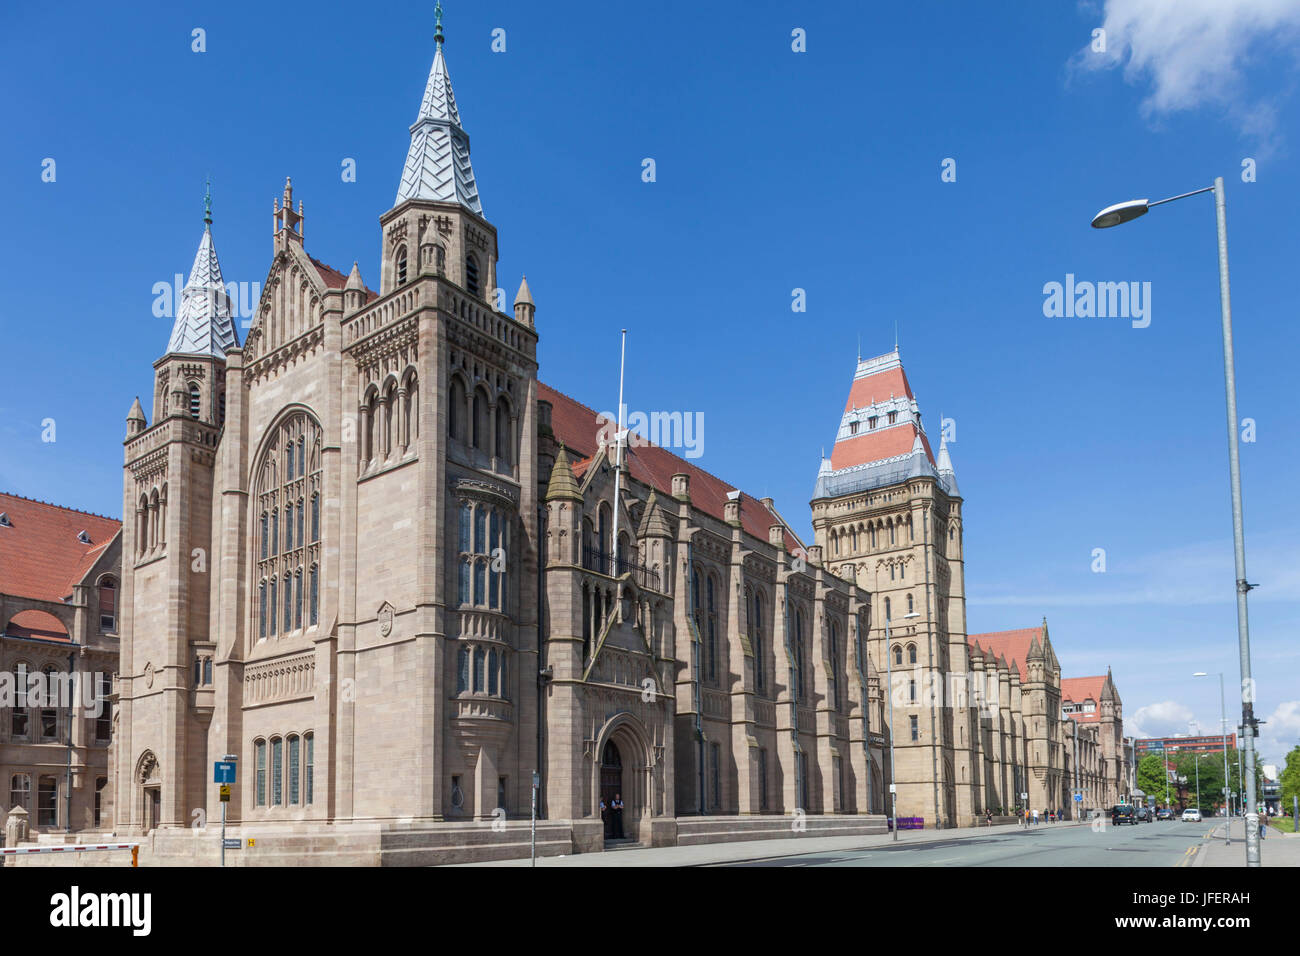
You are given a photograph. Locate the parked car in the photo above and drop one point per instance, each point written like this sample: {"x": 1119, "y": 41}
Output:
{"x": 1164, "y": 813}
{"x": 1121, "y": 813}
{"x": 1191, "y": 815}
{"x": 1143, "y": 815}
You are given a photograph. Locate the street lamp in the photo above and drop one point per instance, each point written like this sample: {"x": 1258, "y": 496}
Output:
{"x": 1126, "y": 212}
{"x": 1223, "y": 725}
{"x": 893, "y": 772}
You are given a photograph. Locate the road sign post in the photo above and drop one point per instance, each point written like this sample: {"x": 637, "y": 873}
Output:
{"x": 537, "y": 782}
{"x": 224, "y": 773}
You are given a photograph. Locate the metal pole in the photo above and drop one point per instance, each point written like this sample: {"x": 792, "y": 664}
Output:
{"x": 223, "y": 832}
{"x": 1227, "y": 802}
{"x": 618, "y": 456}
{"x": 533, "y": 834}
{"x": 893, "y": 773}
{"x": 1238, "y": 534}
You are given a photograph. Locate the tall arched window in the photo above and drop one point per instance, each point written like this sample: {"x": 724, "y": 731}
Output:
{"x": 911, "y": 654}
{"x": 492, "y": 672}
{"x": 711, "y": 626}
{"x": 462, "y": 670}
{"x": 288, "y": 477}
{"x": 756, "y": 638}
{"x": 196, "y": 405}
{"x": 909, "y": 604}
{"x": 478, "y": 670}
{"x": 456, "y": 403}
{"x": 503, "y": 434}
{"x": 800, "y": 678}
{"x": 471, "y": 274}
{"x": 400, "y": 263}
{"x": 887, "y": 617}
{"x": 108, "y": 605}
{"x": 836, "y": 674}
{"x": 898, "y": 655}
{"x": 482, "y": 418}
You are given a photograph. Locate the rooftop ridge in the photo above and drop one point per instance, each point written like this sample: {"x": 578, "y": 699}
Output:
{"x": 652, "y": 445}
{"x": 51, "y": 504}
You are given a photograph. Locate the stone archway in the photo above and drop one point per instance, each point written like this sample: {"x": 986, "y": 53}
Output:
{"x": 148, "y": 781}
{"x": 624, "y": 739}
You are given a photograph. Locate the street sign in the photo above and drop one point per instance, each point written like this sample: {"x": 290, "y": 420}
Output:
{"x": 1078, "y": 798}
{"x": 893, "y": 789}
{"x": 223, "y": 771}
{"x": 232, "y": 843}
{"x": 225, "y": 793}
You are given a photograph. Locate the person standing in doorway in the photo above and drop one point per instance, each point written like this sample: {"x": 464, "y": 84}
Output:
{"x": 617, "y": 809}
{"x": 604, "y": 816}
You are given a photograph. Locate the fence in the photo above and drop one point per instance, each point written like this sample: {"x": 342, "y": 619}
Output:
{"x": 74, "y": 848}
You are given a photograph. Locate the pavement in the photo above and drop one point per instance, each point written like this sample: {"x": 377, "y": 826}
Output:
{"x": 791, "y": 849}
{"x": 1276, "y": 849}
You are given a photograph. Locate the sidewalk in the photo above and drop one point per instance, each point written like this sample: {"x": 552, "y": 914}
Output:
{"x": 1276, "y": 849}
{"x": 713, "y": 853}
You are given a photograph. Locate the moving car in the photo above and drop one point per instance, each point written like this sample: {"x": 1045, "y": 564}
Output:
{"x": 1121, "y": 813}
{"x": 1191, "y": 815}
{"x": 1143, "y": 815}
{"x": 1164, "y": 813}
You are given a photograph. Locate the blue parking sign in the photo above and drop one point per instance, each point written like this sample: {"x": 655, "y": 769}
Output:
{"x": 223, "y": 771}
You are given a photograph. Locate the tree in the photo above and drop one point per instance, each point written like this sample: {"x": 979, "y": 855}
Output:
{"x": 1151, "y": 776}
{"x": 1290, "y": 779}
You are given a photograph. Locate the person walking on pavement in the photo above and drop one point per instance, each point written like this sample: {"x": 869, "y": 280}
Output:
{"x": 1035, "y": 816}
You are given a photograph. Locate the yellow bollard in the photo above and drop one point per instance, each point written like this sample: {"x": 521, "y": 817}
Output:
{"x": 135, "y": 856}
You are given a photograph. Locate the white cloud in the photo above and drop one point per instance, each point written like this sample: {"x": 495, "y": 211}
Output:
{"x": 1158, "y": 720}
{"x": 1280, "y": 733}
{"x": 1196, "y": 53}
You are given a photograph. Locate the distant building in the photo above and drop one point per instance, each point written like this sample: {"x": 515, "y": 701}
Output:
{"x": 1203, "y": 745}
{"x": 59, "y": 576}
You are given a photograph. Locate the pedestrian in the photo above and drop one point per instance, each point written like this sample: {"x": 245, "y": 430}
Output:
{"x": 617, "y": 807}
{"x": 1263, "y": 825}
{"x": 989, "y": 816}
{"x": 1035, "y": 816}
{"x": 604, "y": 815}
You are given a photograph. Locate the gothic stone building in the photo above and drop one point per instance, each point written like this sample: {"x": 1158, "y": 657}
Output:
{"x": 977, "y": 719}
{"x": 59, "y": 573}
{"x": 369, "y": 554}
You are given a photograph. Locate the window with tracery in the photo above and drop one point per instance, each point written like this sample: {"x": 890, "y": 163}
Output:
{"x": 483, "y": 543}
{"x": 287, "y": 542}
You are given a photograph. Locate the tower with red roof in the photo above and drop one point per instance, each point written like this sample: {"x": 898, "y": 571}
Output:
{"x": 887, "y": 514}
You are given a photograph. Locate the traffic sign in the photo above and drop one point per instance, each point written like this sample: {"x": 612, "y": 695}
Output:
{"x": 225, "y": 793}
{"x": 223, "y": 771}
{"x": 232, "y": 843}
{"x": 1078, "y": 798}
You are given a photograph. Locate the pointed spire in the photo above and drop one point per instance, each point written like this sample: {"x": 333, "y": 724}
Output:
{"x": 354, "y": 283}
{"x": 562, "y": 484}
{"x": 437, "y": 163}
{"x": 207, "y": 207}
{"x": 654, "y": 523}
{"x": 204, "y": 325}
{"x": 944, "y": 467}
{"x": 524, "y": 296}
{"x": 135, "y": 420}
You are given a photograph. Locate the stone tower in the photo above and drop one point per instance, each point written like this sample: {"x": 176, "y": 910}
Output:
{"x": 166, "y": 552}
{"x": 887, "y": 515}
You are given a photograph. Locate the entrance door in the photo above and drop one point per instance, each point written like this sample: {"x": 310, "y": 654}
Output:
{"x": 152, "y": 808}
{"x": 611, "y": 782}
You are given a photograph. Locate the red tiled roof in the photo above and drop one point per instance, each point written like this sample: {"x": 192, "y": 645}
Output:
{"x": 1013, "y": 645}
{"x": 40, "y": 556}
{"x": 38, "y": 624}
{"x": 579, "y": 428}
{"x": 878, "y": 388}
{"x": 334, "y": 279}
{"x": 1076, "y": 690}
{"x": 877, "y": 446}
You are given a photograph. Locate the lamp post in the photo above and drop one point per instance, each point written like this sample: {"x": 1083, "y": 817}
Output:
{"x": 1074, "y": 769}
{"x": 893, "y": 771}
{"x": 1223, "y": 725}
{"x": 1126, "y": 212}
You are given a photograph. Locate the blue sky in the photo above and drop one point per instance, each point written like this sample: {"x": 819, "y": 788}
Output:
{"x": 775, "y": 170}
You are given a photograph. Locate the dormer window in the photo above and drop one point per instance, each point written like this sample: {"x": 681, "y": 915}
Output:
{"x": 83, "y": 537}
{"x": 401, "y": 265}
{"x": 471, "y": 274}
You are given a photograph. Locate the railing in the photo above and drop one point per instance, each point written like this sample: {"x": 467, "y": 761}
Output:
{"x": 74, "y": 848}
{"x": 603, "y": 563}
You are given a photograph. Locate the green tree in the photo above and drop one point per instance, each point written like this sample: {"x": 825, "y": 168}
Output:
{"x": 1290, "y": 779}
{"x": 1151, "y": 777}
{"x": 1210, "y": 768}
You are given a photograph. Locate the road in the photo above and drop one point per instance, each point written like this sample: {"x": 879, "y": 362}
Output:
{"x": 1167, "y": 843}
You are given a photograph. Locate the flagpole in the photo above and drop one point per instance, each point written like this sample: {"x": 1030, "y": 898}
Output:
{"x": 618, "y": 453}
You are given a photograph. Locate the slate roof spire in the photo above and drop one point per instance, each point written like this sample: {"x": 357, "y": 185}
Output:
{"x": 437, "y": 162}
{"x": 204, "y": 323}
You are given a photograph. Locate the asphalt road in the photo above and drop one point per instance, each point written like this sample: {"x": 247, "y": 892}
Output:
{"x": 1163, "y": 843}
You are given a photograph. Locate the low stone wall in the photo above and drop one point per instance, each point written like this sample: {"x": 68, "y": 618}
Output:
{"x": 430, "y": 844}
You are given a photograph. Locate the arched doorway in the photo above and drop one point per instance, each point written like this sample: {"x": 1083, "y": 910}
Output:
{"x": 611, "y": 782}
